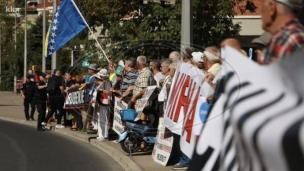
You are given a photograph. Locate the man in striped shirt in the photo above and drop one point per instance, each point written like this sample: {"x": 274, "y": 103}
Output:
{"x": 129, "y": 80}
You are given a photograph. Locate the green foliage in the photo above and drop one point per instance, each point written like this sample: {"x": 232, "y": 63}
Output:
{"x": 154, "y": 28}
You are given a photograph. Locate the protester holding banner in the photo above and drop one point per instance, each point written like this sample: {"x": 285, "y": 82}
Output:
{"x": 155, "y": 69}
{"x": 174, "y": 56}
{"x": 92, "y": 70}
{"x": 72, "y": 114}
{"x": 145, "y": 79}
{"x": 165, "y": 63}
{"x": 212, "y": 60}
{"x": 102, "y": 98}
{"x": 129, "y": 80}
{"x": 187, "y": 54}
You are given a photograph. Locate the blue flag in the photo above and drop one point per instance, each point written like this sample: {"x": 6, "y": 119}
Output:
{"x": 66, "y": 24}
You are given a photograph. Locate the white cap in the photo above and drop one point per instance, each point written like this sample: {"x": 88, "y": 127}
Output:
{"x": 197, "y": 57}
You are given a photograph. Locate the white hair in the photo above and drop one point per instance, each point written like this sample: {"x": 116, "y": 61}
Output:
{"x": 174, "y": 56}
{"x": 142, "y": 60}
{"x": 212, "y": 54}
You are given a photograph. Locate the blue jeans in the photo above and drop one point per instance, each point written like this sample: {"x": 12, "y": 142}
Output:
{"x": 184, "y": 160}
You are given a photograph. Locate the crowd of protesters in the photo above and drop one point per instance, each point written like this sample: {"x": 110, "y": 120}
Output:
{"x": 129, "y": 79}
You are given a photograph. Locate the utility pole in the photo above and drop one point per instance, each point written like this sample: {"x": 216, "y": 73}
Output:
{"x": 0, "y": 49}
{"x": 15, "y": 77}
{"x": 43, "y": 40}
{"x": 25, "y": 42}
{"x": 54, "y": 55}
{"x": 187, "y": 23}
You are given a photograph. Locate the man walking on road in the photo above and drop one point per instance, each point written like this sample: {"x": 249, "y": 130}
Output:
{"x": 56, "y": 98}
{"x": 28, "y": 93}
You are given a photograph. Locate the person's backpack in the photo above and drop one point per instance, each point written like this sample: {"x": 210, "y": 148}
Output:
{"x": 50, "y": 89}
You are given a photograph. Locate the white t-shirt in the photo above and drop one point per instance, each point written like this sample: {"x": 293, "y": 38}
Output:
{"x": 159, "y": 76}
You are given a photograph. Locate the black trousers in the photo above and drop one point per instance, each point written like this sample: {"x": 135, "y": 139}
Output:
{"x": 26, "y": 103}
{"x": 41, "y": 108}
{"x": 56, "y": 103}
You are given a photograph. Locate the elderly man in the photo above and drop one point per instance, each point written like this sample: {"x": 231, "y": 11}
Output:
{"x": 212, "y": 61}
{"x": 129, "y": 80}
{"x": 155, "y": 69}
{"x": 174, "y": 56}
{"x": 279, "y": 17}
{"x": 145, "y": 79}
{"x": 186, "y": 54}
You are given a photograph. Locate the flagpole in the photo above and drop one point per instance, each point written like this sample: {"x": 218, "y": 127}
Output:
{"x": 43, "y": 40}
{"x": 54, "y": 55}
{"x": 104, "y": 53}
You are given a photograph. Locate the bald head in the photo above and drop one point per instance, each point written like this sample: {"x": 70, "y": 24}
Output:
{"x": 174, "y": 56}
{"x": 234, "y": 43}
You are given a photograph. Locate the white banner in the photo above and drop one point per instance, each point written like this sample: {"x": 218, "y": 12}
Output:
{"x": 183, "y": 97}
{"x": 163, "y": 146}
{"x": 143, "y": 101}
{"x": 202, "y": 108}
{"x": 117, "y": 123}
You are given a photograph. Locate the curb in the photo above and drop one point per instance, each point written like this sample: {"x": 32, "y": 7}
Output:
{"x": 124, "y": 161}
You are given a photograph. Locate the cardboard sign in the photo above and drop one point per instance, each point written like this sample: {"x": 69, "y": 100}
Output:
{"x": 117, "y": 123}
{"x": 143, "y": 101}
{"x": 163, "y": 146}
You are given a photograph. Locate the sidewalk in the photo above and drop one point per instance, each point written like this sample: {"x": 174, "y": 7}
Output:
{"x": 11, "y": 109}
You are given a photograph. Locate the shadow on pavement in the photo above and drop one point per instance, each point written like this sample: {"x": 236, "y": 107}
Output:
{"x": 9, "y": 105}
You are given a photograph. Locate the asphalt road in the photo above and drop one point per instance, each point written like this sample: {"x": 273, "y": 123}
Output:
{"x": 22, "y": 148}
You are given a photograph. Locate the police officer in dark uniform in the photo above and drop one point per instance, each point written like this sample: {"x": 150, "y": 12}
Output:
{"x": 28, "y": 94}
{"x": 41, "y": 97}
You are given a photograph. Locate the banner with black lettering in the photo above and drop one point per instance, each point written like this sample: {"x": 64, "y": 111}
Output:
{"x": 117, "y": 123}
{"x": 143, "y": 101}
{"x": 163, "y": 145}
{"x": 77, "y": 98}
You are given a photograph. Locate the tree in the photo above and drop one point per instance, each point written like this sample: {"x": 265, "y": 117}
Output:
{"x": 133, "y": 28}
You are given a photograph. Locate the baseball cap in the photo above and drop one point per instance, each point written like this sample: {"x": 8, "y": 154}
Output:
{"x": 197, "y": 57}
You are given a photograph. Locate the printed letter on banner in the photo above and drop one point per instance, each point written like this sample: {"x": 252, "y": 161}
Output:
{"x": 188, "y": 138}
{"x": 117, "y": 123}
{"x": 178, "y": 99}
{"x": 163, "y": 146}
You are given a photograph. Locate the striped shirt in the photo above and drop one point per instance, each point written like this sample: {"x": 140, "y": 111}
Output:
{"x": 129, "y": 80}
{"x": 145, "y": 79}
{"x": 289, "y": 39}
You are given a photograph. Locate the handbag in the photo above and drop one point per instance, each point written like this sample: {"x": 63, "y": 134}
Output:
{"x": 103, "y": 98}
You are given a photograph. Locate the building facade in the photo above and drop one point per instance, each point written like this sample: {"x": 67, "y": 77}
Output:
{"x": 250, "y": 22}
